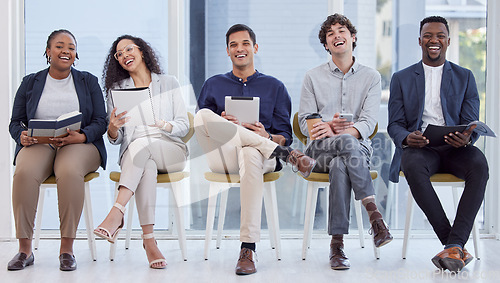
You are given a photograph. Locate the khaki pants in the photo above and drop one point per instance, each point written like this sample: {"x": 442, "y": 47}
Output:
{"x": 140, "y": 164}
{"x": 69, "y": 164}
{"x": 233, "y": 149}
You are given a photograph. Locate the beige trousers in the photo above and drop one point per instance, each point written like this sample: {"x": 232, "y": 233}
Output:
{"x": 140, "y": 164}
{"x": 69, "y": 164}
{"x": 233, "y": 149}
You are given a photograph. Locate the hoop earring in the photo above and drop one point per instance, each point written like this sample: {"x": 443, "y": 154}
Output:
{"x": 49, "y": 59}
{"x": 75, "y": 63}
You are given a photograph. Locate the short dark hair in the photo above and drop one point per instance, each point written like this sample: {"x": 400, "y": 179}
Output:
{"x": 434, "y": 19}
{"x": 241, "y": 27}
{"x": 51, "y": 37}
{"x": 330, "y": 21}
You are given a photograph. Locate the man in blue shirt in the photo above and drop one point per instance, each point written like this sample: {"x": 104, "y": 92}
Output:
{"x": 249, "y": 150}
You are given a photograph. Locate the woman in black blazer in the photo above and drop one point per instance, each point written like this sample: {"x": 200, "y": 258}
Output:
{"x": 48, "y": 94}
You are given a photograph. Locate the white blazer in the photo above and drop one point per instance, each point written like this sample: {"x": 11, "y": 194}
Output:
{"x": 171, "y": 109}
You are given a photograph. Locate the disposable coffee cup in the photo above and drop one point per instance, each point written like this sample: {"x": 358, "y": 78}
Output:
{"x": 311, "y": 120}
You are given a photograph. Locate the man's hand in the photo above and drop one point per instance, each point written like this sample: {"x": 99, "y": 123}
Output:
{"x": 321, "y": 130}
{"x": 458, "y": 139}
{"x": 338, "y": 125}
{"x": 229, "y": 118}
{"x": 257, "y": 128}
{"x": 71, "y": 138}
{"x": 416, "y": 139}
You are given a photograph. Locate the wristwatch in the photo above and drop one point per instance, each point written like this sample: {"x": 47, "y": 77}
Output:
{"x": 270, "y": 136}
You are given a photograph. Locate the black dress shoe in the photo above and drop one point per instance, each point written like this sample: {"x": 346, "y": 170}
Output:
{"x": 20, "y": 261}
{"x": 67, "y": 262}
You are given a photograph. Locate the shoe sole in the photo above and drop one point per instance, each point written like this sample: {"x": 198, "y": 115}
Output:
{"x": 244, "y": 273}
{"x": 452, "y": 265}
{"x": 384, "y": 243}
{"x": 341, "y": 268}
{"x": 435, "y": 260}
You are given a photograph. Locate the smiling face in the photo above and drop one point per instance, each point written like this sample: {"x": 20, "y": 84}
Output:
{"x": 339, "y": 40}
{"x": 241, "y": 49}
{"x": 434, "y": 41}
{"x": 130, "y": 55}
{"x": 62, "y": 52}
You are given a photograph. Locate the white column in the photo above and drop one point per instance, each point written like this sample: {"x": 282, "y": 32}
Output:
{"x": 335, "y": 6}
{"x": 492, "y": 197}
{"x": 12, "y": 31}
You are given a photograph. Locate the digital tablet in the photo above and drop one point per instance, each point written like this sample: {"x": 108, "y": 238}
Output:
{"x": 245, "y": 109}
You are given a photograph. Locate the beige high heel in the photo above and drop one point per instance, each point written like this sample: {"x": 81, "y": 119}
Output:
{"x": 160, "y": 260}
{"x": 107, "y": 235}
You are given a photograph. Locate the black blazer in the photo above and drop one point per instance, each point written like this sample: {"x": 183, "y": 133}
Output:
{"x": 90, "y": 98}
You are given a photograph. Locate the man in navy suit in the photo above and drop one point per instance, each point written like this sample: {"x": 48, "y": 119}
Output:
{"x": 436, "y": 91}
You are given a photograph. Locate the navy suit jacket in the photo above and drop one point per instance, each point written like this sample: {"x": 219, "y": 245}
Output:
{"x": 459, "y": 102}
{"x": 90, "y": 98}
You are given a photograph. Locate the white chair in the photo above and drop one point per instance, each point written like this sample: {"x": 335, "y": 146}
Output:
{"x": 220, "y": 183}
{"x": 440, "y": 179}
{"x": 317, "y": 180}
{"x": 178, "y": 198}
{"x": 87, "y": 210}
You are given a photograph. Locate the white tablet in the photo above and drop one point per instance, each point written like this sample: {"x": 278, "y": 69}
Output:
{"x": 245, "y": 109}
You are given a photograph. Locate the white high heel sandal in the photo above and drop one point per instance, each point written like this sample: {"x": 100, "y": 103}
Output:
{"x": 107, "y": 235}
{"x": 160, "y": 260}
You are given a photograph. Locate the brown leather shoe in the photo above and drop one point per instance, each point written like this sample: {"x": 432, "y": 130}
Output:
{"x": 450, "y": 259}
{"x": 381, "y": 234}
{"x": 338, "y": 259}
{"x": 20, "y": 261}
{"x": 302, "y": 162}
{"x": 67, "y": 262}
{"x": 246, "y": 262}
{"x": 467, "y": 257}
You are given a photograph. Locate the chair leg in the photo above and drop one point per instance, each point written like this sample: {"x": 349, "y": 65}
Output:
{"x": 359, "y": 221}
{"x": 112, "y": 247}
{"x": 311, "y": 199}
{"x": 39, "y": 213}
{"x": 408, "y": 223}
{"x": 222, "y": 215}
{"x": 269, "y": 217}
{"x": 272, "y": 216}
{"x": 475, "y": 239}
{"x": 89, "y": 224}
{"x": 130, "y": 216}
{"x": 179, "y": 216}
{"x": 212, "y": 202}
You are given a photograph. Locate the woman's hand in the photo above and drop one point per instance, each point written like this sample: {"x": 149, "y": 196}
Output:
{"x": 26, "y": 140}
{"x": 116, "y": 122}
{"x": 72, "y": 138}
{"x": 163, "y": 125}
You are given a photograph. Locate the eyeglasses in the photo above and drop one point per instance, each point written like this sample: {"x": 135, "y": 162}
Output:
{"x": 128, "y": 49}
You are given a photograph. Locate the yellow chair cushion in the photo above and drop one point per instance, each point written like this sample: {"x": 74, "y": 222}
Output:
{"x": 235, "y": 178}
{"x": 52, "y": 179}
{"x": 440, "y": 177}
{"x": 161, "y": 178}
{"x": 323, "y": 177}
